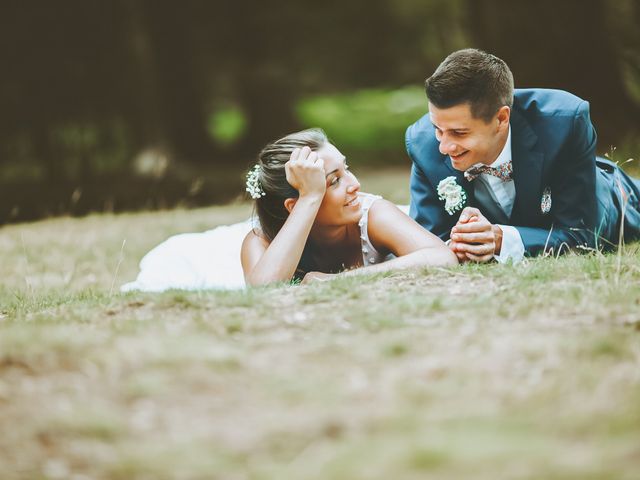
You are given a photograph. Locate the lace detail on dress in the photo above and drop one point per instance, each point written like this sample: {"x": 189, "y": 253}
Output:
{"x": 370, "y": 255}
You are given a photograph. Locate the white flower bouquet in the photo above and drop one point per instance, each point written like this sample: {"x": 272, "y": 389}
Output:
{"x": 452, "y": 194}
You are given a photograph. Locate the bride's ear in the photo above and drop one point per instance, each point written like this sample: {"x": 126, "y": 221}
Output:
{"x": 289, "y": 203}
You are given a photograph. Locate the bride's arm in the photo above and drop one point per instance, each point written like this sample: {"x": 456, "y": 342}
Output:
{"x": 264, "y": 262}
{"x": 392, "y": 230}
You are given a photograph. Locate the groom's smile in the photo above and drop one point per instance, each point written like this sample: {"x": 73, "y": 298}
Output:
{"x": 458, "y": 158}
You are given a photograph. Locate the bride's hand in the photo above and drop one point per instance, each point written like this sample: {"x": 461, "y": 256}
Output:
{"x": 317, "y": 277}
{"x": 305, "y": 172}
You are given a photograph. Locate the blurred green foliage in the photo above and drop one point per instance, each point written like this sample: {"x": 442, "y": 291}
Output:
{"x": 227, "y": 125}
{"x": 82, "y": 150}
{"x": 371, "y": 121}
{"x": 367, "y": 123}
{"x": 370, "y": 124}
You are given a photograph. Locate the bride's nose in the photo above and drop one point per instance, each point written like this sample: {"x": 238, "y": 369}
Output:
{"x": 354, "y": 187}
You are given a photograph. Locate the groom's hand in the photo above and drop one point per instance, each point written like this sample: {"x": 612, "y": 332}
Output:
{"x": 474, "y": 238}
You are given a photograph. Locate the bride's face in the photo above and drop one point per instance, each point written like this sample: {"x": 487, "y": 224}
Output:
{"x": 468, "y": 140}
{"x": 340, "y": 205}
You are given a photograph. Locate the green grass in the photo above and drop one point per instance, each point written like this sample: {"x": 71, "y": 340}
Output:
{"x": 484, "y": 372}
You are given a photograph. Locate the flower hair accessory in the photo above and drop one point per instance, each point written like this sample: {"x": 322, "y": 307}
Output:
{"x": 253, "y": 183}
{"x": 452, "y": 194}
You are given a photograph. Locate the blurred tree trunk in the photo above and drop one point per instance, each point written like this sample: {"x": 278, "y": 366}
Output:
{"x": 169, "y": 107}
{"x": 269, "y": 109}
{"x": 44, "y": 151}
{"x": 565, "y": 45}
{"x": 143, "y": 97}
{"x": 266, "y": 76}
{"x": 183, "y": 96}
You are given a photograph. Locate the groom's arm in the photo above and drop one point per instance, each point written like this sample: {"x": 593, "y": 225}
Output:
{"x": 573, "y": 210}
{"x": 573, "y": 194}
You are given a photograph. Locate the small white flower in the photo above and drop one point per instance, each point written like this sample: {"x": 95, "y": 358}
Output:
{"x": 545, "y": 203}
{"x": 253, "y": 183}
{"x": 452, "y": 194}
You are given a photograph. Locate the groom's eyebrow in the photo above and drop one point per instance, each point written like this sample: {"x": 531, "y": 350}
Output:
{"x": 451, "y": 129}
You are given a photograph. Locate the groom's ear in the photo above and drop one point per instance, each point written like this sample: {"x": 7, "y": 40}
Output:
{"x": 504, "y": 115}
{"x": 289, "y": 203}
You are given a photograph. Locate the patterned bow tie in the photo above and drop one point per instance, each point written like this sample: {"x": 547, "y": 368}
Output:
{"x": 503, "y": 172}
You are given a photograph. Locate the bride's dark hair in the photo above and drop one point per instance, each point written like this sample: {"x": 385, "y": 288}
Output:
{"x": 273, "y": 180}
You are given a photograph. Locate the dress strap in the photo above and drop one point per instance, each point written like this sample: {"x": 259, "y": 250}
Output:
{"x": 369, "y": 254}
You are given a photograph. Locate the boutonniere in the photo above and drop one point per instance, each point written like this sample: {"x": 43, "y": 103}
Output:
{"x": 452, "y": 194}
{"x": 545, "y": 202}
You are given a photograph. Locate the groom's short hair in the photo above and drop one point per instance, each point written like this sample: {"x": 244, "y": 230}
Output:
{"x": 475, "y": 77}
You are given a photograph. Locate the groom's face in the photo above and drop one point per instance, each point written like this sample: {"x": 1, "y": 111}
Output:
{"x": 465, "y": 139}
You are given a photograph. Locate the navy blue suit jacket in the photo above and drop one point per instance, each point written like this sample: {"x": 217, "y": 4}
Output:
{"x": 553, "y": 147}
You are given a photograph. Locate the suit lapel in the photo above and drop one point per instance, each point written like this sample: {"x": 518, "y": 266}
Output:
{"x": 527, "y": 169}
{"x": 488, "y": 204}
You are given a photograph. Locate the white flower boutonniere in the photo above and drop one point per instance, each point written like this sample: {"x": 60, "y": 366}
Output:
{"x": 452, "y": 194}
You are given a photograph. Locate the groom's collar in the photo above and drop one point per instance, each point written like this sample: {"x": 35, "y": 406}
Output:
{"x": 505, "y": 154}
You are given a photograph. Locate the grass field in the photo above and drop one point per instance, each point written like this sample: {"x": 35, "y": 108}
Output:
{"x": 483, "y": 372}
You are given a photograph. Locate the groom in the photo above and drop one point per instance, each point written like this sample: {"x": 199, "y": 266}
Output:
{"x": 505, "y": 174}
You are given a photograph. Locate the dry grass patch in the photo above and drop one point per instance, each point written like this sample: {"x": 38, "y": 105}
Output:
{"x": 529, "y": 371}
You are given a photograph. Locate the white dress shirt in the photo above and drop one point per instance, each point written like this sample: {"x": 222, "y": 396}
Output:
{"x": 505, "y": 193}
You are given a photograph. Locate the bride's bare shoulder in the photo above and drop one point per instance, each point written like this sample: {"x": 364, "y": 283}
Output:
{"x": 256, "y": 237}
{"x": 383, "y": 209}
{"x": 253, "y": 247}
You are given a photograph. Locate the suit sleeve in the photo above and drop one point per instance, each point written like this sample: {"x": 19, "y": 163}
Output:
{"x": 573, "y": 193}
{"x": 425, "y": 207}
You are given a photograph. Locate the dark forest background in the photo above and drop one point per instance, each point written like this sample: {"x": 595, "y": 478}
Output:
{"x": 122, "y": 104}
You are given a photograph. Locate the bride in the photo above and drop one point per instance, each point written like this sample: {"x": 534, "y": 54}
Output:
{"x": 312, "y": 223}
{"x": 315, "y": 222}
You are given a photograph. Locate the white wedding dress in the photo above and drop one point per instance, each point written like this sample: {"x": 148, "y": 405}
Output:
{"x": 211, "y": 259}
{"x": 194, "y": 261}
